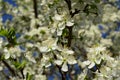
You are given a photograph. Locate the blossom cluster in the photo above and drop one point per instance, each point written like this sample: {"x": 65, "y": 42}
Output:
{"x": 51, "y": 37}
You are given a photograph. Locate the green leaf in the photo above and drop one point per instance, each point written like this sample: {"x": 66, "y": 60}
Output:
{"x": 29, "y": 77}
{"x": 11, "y": 36}
{"x": 3, "y": 32}
{"x": 65, "y": 33}
{"x": 11, "y": 32}
{"x": 97, "y": 1}
{"x": 22, "y": 64}
{"x": 56, "y": 1}
{"x": 93, "y": 6}
{"x": 42, "y": 32}
{"x": 1, "y": 57}
{"x": 50, "y": 17}
{"x": 81, "y": 1}
{"x": 19, "y": 65}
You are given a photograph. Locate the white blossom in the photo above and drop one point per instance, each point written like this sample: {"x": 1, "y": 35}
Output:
{"x": 58, "y": 17}
{"x": 64, "y": 67}
{"x": 6, "y": 53}
{"x": 69, "y": 24}
{"x": 48, "y": 35}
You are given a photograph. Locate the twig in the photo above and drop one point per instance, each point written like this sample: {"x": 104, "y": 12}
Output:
{"x": 69, "y": 35}
{"x": 62, "y": 74}
{"x": 9, "y": 67}
{"x": 76, "y": 12}
{"x": 21, "y": 70}
{"x": 69, "y": 27}
{"x": 35, "y": 8}
{"x": 69, "y": 5}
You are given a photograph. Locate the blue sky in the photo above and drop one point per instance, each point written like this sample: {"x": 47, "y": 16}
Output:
{"x": 12, "y": 2}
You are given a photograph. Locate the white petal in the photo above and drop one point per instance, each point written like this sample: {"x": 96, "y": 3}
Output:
{"x": 70, "y": 52}
{"x": 29, "y": 45}
{"x": 5, "y": 50}
{"x": 33, "y": 60}
{"x": 7, "y": 55}
{"x": 58, "y": 17}
{"x": 54, "y": 47}
{"x": 81, "y": 31}
{"x": 64, "y": 67}
{"x": 86, "y": 62}
{"x": 58, "y": 62}
{"x": 1, "y": 68}
{"x": 70, "y": 24}
{"x": 40, "y": 76}
{"x": 71, "y": 60}
{"x": 59, "y": 33}
{"x": 98, "y": 61}
{"x": 43, "y": 49}
{"x": 91, "y": 65}
{"x": 61, "y": 26}
{"x": 30, "y": 58}
{"x": 48, "y": 65}
{"x": 1, "y": 41}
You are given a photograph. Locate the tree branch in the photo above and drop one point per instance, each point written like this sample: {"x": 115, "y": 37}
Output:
{"x": 68, "y": 2}
{"x": 62, "y": 73}
{"x": 9, "y": 67}
{"x": 76, "y": 12}
{"x": 69, "y": 35}
{"x": 35, "y": 8}
{"x": 69, "y": 6}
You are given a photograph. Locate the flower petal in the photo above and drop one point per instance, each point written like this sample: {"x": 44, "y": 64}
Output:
{"x": 58, "y": 17}
{"x": 91, "y": 65}
{"x": 58, "y": 62}
{"x": 70, "y": 23}
{"x": 86, "y": 62}
{"x": 7, "y": 55}
{"x": 43, "y": 49}
{"x": 64, "y": 67}
{"x": 71, "y": 60}
{"x": 70, "y": 52}
{"x": 98, "y": 61}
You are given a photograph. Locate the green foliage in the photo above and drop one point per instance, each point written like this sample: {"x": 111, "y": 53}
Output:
{"x": 9, "y": 34}
{"x": 19, "y": 65}
{"x": 3, "y": 32}
{"x": 97, "y": 1}
{"x": 29, "y": 77}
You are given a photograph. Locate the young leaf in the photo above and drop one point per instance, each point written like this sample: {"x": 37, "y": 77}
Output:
{"x": 28, "y": 76}
{"x": 3, "y": 32}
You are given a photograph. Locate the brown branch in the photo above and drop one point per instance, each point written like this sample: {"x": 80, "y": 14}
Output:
{"x": 21, "y": 70}
{"x": 12, "y": 71}
{"x": 72, "y": 14}
{"x": 68, "y": 2}
{"x": 9, "y": 67}
{"x": 76, "y": 12}
{"x": 59, "y": 68}
{"x": 35, "y": 8}
{"x": 62, "y": 73}
{"x": 69, "y": 6}
{"x": 69, "y": 35}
